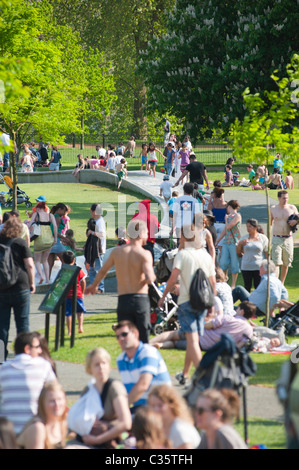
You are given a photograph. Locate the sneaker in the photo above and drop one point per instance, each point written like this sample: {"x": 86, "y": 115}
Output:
{"x": 180, "y": 378}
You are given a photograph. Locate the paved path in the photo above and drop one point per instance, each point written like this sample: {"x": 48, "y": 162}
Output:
{"x": 261, "y": 401}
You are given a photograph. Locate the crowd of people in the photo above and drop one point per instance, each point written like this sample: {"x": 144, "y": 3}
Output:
{"x": 142, "y": 409}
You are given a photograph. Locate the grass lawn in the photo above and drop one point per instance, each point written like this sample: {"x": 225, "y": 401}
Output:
{"x": 97, "y": 328}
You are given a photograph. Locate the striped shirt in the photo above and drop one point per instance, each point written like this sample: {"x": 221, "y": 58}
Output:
{"x": 21, "y": 381}
{"x": 146, "y": 360}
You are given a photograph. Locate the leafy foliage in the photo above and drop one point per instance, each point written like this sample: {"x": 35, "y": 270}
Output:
{"x": 211, "y": 52}
{"x": 270, "y": 120}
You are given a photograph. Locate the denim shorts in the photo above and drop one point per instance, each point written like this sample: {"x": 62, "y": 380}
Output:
{"x": 190, "y": 320}
{"x": 229, "y": 258}
{"x": 58, "y": 247}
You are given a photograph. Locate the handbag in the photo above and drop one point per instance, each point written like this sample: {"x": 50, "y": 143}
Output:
{"x": 85, "y": 411}
{"x": 35, "y": 229}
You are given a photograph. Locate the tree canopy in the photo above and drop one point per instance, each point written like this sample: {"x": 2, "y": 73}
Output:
{"x": 271, "y": 121}
{"x": 211, "y": 52}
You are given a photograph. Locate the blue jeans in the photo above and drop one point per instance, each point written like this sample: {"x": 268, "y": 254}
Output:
{"x": 240, "y": 293}
{"x": 169, "y": 167}
{"x": 20, "y": 303}
{"x": 94, "y": 270}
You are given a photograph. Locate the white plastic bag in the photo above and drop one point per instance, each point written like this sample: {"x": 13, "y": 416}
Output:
{"x": 83, "y": 413}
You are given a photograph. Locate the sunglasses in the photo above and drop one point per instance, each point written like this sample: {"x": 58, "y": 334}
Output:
{"x": 122, "y": 335}
{"x": 200, "y": 410}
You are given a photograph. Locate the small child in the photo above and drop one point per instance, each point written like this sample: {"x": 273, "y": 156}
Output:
{"x": 120, "y": 171}
{"x": 265, "y": 344}
{"x": 68, "y": 257}
{"x": 184, "y": 154}
{"x": 170, "y": 203}
{"x": 70, "y": 243}
{"x": 111, "y": 162}
{"x": 229, "y": 178}
{"x": 66, "y": 220}
{"x": 165, "y": 188}
{"x": 289, "y": 180}
{"x": 121, "y": 234}
{"x": 144, "y": 157}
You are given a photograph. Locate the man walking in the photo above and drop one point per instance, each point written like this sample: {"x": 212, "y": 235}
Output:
{"x": 134, "y": 271}
{"x": 282, "y": 240}
{"x": 197, "y": 172}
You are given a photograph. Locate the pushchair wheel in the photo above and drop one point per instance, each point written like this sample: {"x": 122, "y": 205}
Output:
{"x": 8, "y": 204}
{"x": 28, "y": 204}
{"x": 173, "y": 325}
{"x": 158, "y": 329}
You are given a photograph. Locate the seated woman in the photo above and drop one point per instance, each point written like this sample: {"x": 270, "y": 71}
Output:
{"x": 176, "y": 417}
{"x": 274, "y": 181}
{"x": 148, "y": 431}
{"x": 117, "y": 416}
{"x": 214, "y": 414}
{"x": 48, "y": 429}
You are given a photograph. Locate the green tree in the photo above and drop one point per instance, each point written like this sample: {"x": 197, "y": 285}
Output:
{"x": 120, "y": 30}
{"x": 211, "y": 52}
{"x": 270, "y": 120}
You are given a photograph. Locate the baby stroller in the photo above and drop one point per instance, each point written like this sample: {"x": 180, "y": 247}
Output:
{"x": 223, "y": 366}
{"x": 21, "y": 195}
{"x": 289, "y": 319}
{"x": 165, "y": 319}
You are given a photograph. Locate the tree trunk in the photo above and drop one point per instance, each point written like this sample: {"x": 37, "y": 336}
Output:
{"x": 14, "y": 177}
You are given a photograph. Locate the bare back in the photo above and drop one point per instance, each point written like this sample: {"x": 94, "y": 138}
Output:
{"x": 133, "y": 266}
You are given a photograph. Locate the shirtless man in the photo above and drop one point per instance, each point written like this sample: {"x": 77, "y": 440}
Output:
{"x": 134, "y": 271}
{"x": 130, "y": 147}
{"x": 282, "y": 240}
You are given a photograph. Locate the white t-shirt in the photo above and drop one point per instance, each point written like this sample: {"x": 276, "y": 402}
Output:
{"x": 102, "y": 152}
{"x": 188, "y": 261}
{"x": 182, "y": 432}
{"x": 111, "y": 162}
{"x": 118, "y": 158}
{"x": 101, "y": 228}
{"x": 185, "y": 207}
{"x": 166, "y": 187}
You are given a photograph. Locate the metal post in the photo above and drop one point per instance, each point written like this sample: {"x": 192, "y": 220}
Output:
{"x": 62, "y": 325}
{"x": 58, "y": 321}
{"x": 74, "y": 310}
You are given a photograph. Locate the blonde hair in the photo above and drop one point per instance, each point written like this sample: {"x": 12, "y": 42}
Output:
{"x": 101, "y": 352}
{"x": 167, "y": 394}
{"x": 41, "y": 412}
{"x": 135, "y": 228}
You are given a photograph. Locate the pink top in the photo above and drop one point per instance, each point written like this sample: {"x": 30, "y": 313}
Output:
{"x": 237, "y": 326}
{"x": 184, "y": 157}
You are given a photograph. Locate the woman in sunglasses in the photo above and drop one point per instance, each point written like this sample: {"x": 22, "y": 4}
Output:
{"x": 214, "y": 414}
